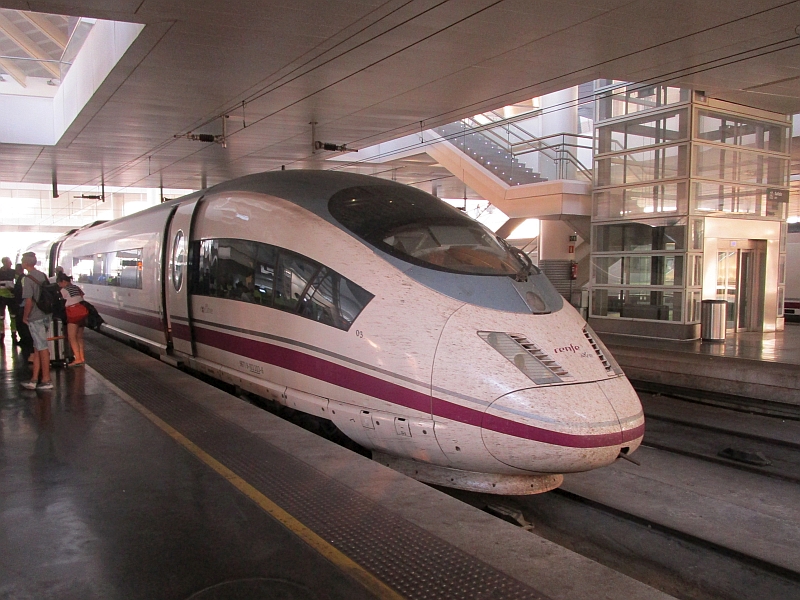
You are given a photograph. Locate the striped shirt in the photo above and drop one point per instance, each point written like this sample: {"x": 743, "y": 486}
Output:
{"x": 72, "y": 294}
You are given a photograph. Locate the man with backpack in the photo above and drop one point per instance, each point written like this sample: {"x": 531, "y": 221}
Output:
{"x": 37, "y": 321}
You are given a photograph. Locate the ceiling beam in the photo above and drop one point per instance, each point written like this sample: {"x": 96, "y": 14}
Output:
{"x": 16, "y": 73}
{"x": 47, "y": 27}
{"x": 27, "y": 45}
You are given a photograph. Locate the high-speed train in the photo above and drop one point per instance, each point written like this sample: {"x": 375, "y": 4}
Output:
{"x": 416, "y": 331}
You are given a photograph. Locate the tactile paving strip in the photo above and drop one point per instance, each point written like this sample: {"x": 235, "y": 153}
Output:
{"x": 404, "y": 556}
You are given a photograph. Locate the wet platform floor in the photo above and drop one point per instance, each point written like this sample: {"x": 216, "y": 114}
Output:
{"x": 96, "y": 502}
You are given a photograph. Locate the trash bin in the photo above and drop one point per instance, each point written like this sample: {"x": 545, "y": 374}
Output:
{"x": 713, "y": 320}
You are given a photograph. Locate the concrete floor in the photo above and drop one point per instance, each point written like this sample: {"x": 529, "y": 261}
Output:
{"x": 96, "y": 502}
{"x": 777, "y": 347}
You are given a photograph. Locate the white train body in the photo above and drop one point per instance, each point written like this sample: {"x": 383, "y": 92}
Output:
{"x": 418, "y": 376}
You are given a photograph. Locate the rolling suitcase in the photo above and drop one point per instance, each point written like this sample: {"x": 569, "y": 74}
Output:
{"x": 58, "y": 344}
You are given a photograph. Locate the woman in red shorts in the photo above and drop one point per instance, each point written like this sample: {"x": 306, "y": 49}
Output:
{"x": 76, "y": 316}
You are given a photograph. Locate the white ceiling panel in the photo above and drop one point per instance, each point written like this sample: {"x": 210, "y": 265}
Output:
{"x": 369, "y": 71}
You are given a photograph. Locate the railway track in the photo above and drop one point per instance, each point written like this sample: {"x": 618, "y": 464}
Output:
{"x": 727, "y": 401}
{"x": 692, "y": 523}
{"x": 668, "y": 558}
{"x": 772, "y": 458}
{"x": 686, "y": 566}
{"x": 767, "y": 445}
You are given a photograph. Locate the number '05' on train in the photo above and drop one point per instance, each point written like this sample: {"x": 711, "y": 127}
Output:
{"x": 412, "y": 328}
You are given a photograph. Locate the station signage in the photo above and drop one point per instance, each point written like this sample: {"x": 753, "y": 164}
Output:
{"x": 776, "y": 195}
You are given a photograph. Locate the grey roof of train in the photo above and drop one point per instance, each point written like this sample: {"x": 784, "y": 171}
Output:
{"x": 312, "y": 190}
{"x": 307, "y": 188}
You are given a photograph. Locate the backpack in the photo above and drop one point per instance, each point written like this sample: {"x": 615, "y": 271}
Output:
{"x": 49, "y": 296}
{"x": 93, "y": 320}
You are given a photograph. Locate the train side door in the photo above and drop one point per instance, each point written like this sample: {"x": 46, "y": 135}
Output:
{"x": 176, "y": 277}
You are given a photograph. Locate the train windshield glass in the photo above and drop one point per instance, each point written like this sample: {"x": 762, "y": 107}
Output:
{"x": 421, "y": 229}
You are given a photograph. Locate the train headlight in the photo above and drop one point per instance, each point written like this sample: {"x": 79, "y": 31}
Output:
{"x": 526, "y": 356}
{"x": 535, "y": 302}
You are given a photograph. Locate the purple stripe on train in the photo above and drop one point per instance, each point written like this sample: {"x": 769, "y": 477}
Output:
{"x": 357, "y": 381}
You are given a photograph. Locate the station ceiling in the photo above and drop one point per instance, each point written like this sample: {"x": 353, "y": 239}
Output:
{"x": 367, "y": 71}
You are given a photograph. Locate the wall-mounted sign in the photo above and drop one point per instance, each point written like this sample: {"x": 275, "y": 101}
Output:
{"x": 776, "y": 195}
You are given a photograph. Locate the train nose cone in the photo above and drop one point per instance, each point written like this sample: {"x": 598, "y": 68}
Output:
{"x": 555, "y": 429}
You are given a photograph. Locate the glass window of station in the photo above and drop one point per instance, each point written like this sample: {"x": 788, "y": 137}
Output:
{"x": 641, "y": 205}
{"x": 740, "y": 166}
{"x": 257, "y": 273}
{"x": 665, "y": 161}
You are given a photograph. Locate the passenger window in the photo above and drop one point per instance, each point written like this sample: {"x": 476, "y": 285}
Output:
{"x": 99, "y": 269}
{"x": 266, "y": 257}
{"x": 204, "y": 275}
{"x": 266, "y": 275}
{"x": 334, "y": 300}
{"x": 319, "y": 304}
{"x": 125, "y": 268}
{"x": 83, "y": 269}
{"x": 351, "y": 301}
{"x": 122, "y": 268}
{"x": 293, "y": 275}
{"x": 235, "y": 270}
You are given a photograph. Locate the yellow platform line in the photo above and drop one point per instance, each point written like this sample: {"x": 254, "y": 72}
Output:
{"x": 335, "y": 556}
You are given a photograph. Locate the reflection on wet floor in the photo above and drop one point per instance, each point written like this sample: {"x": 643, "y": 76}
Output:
{"x": 779, "y": 346}
{"x": 98, "y": 503}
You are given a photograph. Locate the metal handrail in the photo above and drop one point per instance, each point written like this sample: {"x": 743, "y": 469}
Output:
{"x": 559, "y": 153}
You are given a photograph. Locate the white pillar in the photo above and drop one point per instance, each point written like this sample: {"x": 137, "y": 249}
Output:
{"x": 560, "y": 112}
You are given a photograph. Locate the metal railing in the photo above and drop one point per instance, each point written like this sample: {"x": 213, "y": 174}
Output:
{"x": 562, "y": 150}
{"x": 555, "y": 156}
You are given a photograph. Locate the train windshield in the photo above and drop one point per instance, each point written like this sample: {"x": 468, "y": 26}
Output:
{"x": 421, "y": 229}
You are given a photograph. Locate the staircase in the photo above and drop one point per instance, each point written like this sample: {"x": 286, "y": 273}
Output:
{"x": 491, "y": 155}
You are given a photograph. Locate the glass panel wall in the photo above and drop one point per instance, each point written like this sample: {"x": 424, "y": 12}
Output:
{"x": 649, "y": 305}
{"x": 640, "y": 236}
{"x": 650, "y": 203}
{"x": 716, "y": 162}
{"x": 631, "y": 99}
{"x": 740, "y": 131}
{"x": 668, "y": 162}
{"x": 639, "y": 270}
{"x": 646, "y": 131}
{"x": 640, "y": 201}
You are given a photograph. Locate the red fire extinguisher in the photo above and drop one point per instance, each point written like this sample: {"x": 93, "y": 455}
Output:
{"x": 573, "y": 270}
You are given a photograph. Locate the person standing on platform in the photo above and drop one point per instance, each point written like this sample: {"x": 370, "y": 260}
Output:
{"x": 7, "y": 301}
{"x": 25, "y": 339}
{"x": 76, "y": 316}
{"x": 38, "y": 322}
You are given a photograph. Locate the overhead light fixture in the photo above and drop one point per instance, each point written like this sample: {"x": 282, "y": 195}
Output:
{"x": 54, "y": 82}
{"x": 2, "y": 79}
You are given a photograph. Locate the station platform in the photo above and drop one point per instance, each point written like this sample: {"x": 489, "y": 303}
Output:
{"x": 757, "y": 370}
{"x": 132, "y": 479}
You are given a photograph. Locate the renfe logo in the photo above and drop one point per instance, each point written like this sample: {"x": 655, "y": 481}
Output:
{"x": 570, "y": 348}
